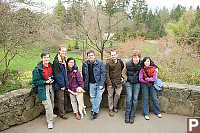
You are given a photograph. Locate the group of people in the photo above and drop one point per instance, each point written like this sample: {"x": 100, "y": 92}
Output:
{"x": 61, "y": 80}
{"x": 141, "y": 74}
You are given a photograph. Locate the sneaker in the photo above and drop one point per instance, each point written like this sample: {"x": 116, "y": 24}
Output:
{"x": 50, "y": 125}
{"x": 146, "y": 117}
{"x": 159, "y": 116}
{"x": 111, "y": 114}
{"x": 54, "y": 115}
{"x": 115, "y": 110}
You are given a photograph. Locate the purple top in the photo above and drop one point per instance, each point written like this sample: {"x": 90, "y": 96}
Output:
{"x": 148, "y": 80}
{"x": 75, "y": 80}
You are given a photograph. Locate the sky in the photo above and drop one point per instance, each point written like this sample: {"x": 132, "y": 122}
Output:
{"x": 153, "y": 4}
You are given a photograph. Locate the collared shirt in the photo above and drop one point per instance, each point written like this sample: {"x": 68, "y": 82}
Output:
{"x": 48, "y": 72}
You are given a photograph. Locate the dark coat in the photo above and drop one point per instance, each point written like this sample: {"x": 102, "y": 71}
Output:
{"x": 99, "y": 73}
{"x": 114, "y": 72}
{"x": 39, "y": 81}
{"x": 133, "y": 71}
{"x": 60, "y": 74}
{"x": 75, "y": 80}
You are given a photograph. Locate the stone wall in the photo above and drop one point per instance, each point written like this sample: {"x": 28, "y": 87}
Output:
{"x": 17, "y": 107}
{"x": 175, "y": 99}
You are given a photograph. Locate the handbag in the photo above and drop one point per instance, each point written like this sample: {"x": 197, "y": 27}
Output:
{"x": 158, "y": 84}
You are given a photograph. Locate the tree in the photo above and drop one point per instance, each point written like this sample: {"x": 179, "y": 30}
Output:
{"x": 139, "y": 11}
{"x": 60, "y": 14}
{"x": 99, "y": 22}
{"x": 17, "y": 30}
{"x": 197, "y": 19}
{"x": 176, "y": 13}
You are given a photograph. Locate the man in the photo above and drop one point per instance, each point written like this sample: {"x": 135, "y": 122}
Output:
{"x": 61, "y": 81}
{"x": 133, "y": 67}
{"x": 42, "y": 78}
{"x": 94, "y": 75}
{"x": 114, "y": 67}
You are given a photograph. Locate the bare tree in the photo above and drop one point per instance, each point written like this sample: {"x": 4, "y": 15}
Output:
{"x": 17, "y": 30}
{"x": 98, "y": 23}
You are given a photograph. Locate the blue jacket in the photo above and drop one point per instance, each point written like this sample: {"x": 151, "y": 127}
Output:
{"x": 60, "y": 74}
{"x": 99, "y": 73}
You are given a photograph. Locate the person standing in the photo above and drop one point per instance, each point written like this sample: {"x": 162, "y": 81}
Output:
{"x": 94, "y": 76}
{"x": 114, "y": 67}
{"x": 61, "y": 81}
{"x": 148, "y": 75}
{"x": 75, "y": 81}
{"x": 133, "y": 68}
{"x": 42, "y": 78}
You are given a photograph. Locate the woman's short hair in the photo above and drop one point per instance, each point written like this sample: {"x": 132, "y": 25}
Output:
{"x": 70, "y": 58}
{"x": 44, "y": 54}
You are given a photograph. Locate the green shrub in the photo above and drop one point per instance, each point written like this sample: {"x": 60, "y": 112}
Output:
{"x": 69, "y": 47}
{"x": 76, "y": 45}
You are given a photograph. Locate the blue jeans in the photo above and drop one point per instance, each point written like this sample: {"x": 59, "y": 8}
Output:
{"x": 95, "y": 96}
{"x": 132, "y": 92}
{"x": 145, "y": 99}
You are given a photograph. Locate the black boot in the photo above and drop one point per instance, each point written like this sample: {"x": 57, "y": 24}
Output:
{"x": 92, "y": 115}
{"x": 131, "y": 120}
{"x": 95, "y": 115}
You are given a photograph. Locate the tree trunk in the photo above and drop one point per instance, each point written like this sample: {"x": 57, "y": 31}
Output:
{"x": 5, "y": 76}
{"x": 101, "y": 55}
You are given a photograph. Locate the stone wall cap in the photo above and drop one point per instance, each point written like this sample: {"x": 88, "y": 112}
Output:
{"x": 181, "y": 86}
{"x": 14, "y": 93}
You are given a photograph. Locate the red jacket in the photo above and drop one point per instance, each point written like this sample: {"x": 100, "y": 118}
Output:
{"x": 151, "y": 72}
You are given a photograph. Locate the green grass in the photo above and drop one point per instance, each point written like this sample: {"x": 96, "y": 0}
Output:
{"x": 80, "y": 43}
{"x": 151, "y": 49}
{"x": 22, "y": 65}
{"x": 27, "y": 61}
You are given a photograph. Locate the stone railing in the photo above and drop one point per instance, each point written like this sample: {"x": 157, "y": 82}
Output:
{"x": 17, "y": 107}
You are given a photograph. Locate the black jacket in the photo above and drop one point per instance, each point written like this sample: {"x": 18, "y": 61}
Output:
{"x": 133, "y": 71}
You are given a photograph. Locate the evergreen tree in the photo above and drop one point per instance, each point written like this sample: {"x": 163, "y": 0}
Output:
{"x": 139, "y": 11}
{"x": 176, "y": 13}
{"x": 60, "y": 14}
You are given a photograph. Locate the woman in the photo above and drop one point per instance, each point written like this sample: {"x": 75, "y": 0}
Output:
{"x": 42, "y": 79}
{"x": 75, "y": 81}
{"x": 148, "y": 74}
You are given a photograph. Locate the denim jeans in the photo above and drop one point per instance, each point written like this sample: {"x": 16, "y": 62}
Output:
{"x": 132, "y": 92}
{"x": 145, "y": 99}
{"x": 95, "y": 96}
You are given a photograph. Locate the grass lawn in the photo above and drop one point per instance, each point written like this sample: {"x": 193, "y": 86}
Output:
{"x": 21, "y": 68}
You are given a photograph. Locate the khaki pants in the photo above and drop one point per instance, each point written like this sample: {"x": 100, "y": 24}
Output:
{"x": 74, "y": 103}
{"x": 49, "y": 103}
{"x": 112, "y": 102}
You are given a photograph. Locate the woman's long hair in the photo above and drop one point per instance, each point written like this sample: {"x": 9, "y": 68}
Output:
{"x": 151, "y": 62}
